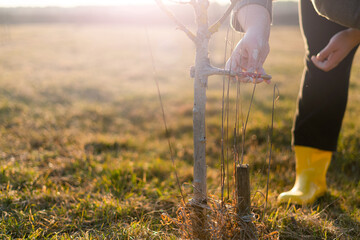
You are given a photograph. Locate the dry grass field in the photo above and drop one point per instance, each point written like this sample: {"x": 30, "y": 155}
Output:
{"x": 83, "y": 152}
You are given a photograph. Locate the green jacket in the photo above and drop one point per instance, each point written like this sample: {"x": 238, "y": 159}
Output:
{"x": 344, "y": 12}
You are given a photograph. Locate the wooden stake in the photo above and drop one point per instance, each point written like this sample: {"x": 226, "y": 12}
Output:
{"x": 242, "y": 191}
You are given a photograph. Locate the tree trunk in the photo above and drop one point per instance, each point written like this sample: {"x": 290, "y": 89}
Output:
{"x": 200, "y": 85}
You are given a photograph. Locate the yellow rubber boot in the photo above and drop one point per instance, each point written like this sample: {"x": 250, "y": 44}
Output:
{"x": 311, "y": 168}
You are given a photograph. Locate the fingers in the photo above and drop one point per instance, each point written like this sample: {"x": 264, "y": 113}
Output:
{"x": 319, "y": 64}
{"x": 245, "y": 57}
{"x": 235, "y": 66}
{"x": 326, "y": 64}
{"x": 248, "y": 58}
{"x": 328, "y": 58}
{"x": 233, "y": 63}
{"x": 325, "y": 53}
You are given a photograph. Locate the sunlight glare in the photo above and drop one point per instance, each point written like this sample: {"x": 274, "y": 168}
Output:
{"x": 74, "y": 3}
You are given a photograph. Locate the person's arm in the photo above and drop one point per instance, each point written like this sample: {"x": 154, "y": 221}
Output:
{"x": 337, "y": 49}
{"x": 250, "y": 53}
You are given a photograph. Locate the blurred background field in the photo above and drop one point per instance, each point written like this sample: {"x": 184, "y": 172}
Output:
{"x": 83, "y": 151}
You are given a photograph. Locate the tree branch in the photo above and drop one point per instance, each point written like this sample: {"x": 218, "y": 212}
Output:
{"x": 215, "y": 27}
{"x": 210, "y": 71}
{"x": 219, "y": 71}
{"x": 175, "y": 20}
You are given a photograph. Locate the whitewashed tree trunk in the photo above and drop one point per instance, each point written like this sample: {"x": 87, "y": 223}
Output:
{"x": 200, "y": 85}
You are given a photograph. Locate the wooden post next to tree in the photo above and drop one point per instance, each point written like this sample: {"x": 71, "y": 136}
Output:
{"x": 242, "y": 189}
{"x": 243, "y": 202}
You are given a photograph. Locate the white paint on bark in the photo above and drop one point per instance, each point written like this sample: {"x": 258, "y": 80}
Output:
{"x": 200, "y": 84}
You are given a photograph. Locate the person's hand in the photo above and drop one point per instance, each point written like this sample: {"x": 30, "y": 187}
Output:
{"x": 250, "y": 53}
{"x": 337, "y": 49}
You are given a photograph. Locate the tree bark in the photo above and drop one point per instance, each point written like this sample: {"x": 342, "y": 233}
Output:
{"x": 199, "y": 127}
{"x": 200, "y": 85}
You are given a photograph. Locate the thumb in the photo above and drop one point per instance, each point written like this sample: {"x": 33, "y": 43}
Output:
{"x": 325, "y": 53}
{"x": 326, "y": 65}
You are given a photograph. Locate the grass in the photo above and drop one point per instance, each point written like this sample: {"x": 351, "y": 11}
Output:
{"x": 83, "y": 150}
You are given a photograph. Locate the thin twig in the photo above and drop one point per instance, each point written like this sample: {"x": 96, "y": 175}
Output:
{"x": 245, "y": 125}
{"x": 237, "y": 121}
{"x": 227, "y": 112}
{"x": 181, "y": 26}
{"x": 215, "y": 27}
{"x": 164, "y": 117}
{"x": 270, "y": 147}
{"x": 223, "y": 173}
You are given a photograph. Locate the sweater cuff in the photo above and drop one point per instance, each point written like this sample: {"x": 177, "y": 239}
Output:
{"x": 241, "y": 3}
